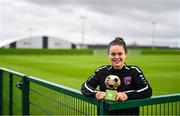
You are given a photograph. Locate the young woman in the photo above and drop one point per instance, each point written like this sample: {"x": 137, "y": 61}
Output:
{"x": 133, "y": 82}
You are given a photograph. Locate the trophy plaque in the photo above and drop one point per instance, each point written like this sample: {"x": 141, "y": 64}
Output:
{"x": 112, "y": 83}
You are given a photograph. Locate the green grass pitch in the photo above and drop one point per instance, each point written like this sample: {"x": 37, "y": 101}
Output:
{"x": 162, "y": 71}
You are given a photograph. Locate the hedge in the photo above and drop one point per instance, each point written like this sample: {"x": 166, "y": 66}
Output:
{"x": 13, "y": 51}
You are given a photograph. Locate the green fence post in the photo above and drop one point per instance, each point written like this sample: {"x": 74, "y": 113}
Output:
{"x": 1, "y": 91}
{"x": 101, "y": 108}
{"x": 25, "y": 96}
{"x": 10, "y": 93}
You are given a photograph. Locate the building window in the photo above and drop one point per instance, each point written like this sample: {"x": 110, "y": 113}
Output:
{"x": 27, "y": 43}
{"x": 57, "y": 44}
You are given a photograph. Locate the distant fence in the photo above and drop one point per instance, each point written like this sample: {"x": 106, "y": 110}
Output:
{"x": 13, "y": 51}
{"x": 23, "y": 95}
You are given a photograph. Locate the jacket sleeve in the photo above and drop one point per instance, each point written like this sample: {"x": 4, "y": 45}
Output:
{"x": 88, "y": 88}
{"x": 142, "y": 87}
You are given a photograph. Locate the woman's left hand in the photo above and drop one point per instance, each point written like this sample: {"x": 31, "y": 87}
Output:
{"x": 121, "y": 96}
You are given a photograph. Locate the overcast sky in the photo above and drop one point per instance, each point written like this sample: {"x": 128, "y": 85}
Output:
{"x": 104, "y": 20}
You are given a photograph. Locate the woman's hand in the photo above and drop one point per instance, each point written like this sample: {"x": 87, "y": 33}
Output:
{"x": 100, "y": 95}
{"x": 121, "y": 96}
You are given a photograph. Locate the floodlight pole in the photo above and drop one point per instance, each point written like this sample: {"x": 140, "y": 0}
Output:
{"x": 153, "y": 34}
{"x": 83, "y": 18}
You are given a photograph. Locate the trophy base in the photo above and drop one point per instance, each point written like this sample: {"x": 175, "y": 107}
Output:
{"x": 110, "y": 95}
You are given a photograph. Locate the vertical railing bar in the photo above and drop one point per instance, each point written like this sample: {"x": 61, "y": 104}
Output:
{"x": 67, "y": 97}
{"x": 82, "y": 108}
{"x": 101, "y": 108}
{"x": 1, "y": 91}
{"x": 147, "y": 111}
{"x": 88, "y": 108}
{"x": 57, "y": 104}
{"x": 80, "y": 111}
{"x": 64, "y": 96}
{"x": 75, "y": 106}
{"x": 92, "y": 113}
{"x": 156, "y": 108}
{"x": 62, "y": 110}
{"x": 65, "y": 103}
{"x": 172, "y": 108}
{"x": 85, "y": 107}
{"x": 78, "y": 106}
{"x": 61, "y": 103}
{"x": 25, "y": 97}
{"x": 10, "y": 93}
{"x": 71, "y": 113}
{"x": 177, "y": 107}
{"x": 164, "y": 108}
{"x": 63, "y": 106}
{"x": 94, "y": 109}
{"x": 91, "y": 109}
{"x": 142, "y": 110}
{"x": 151, "y": 109}
{"x": 69, "y": 105}
{"x": 73, "y": 100}
{"x": 168, "y": 108}
{"x": 160, "y": 108}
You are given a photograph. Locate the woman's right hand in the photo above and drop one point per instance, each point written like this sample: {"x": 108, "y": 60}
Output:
{"x": 100, "y": 95}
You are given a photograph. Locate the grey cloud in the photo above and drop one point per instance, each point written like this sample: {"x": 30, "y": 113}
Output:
{"x": 105, "y": 18}
{"x": 115, "y": 6}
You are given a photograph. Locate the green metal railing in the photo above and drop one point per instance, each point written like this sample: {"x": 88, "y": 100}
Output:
{"x": 157, "y": 105}
{"x": 23, "y": 95}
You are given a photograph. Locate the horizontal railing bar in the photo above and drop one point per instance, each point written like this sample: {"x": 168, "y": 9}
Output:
{"x": 13, "y": 72}
{"x": 142, "y": 102}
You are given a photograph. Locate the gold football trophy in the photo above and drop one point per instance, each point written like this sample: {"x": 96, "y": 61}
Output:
{"x": 112, "y": 83}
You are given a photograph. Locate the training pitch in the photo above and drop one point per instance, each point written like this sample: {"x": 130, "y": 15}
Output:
{"x": 162, "y": 71}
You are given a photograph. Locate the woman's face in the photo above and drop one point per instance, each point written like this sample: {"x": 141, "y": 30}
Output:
{"x": 117, "y": 56}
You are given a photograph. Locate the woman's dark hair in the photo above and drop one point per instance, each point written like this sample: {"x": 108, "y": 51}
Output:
{"x": 118, "y": 41}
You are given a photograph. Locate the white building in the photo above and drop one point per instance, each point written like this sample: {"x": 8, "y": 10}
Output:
{"x": 40, "y": 42}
